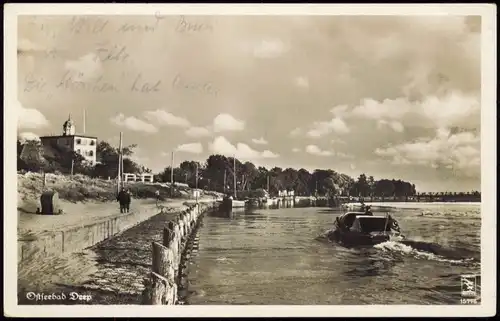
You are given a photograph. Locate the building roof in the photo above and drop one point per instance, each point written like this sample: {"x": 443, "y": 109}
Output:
{"x": 76, "y": 135}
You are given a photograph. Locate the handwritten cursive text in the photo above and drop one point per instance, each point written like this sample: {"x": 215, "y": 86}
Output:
{"x": 108, "y": 52}
{"x": 183, "y": 25}
{"x": 77, "y": 82}
{"x": 141, "y": 86}
{"x": 34, "y": 83}
{"x": 202, "y": 87}
{"x": 90, "y": 25}
{"x": 148, "y": 27}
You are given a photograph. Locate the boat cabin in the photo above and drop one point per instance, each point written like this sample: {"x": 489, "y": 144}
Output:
{"x": 369, "y": 224}
{"x": 348, "y": 218}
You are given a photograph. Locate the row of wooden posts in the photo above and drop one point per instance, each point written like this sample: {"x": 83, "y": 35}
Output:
{"x": 161, "y": 285}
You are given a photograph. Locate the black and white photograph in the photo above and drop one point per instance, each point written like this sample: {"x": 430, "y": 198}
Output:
{"x": 312, "y": 160}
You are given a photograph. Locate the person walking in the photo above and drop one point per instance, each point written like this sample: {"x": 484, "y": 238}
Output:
{"x": 122, "y": 199}
{"x": 157, "y": 194}
{"x": 128, "y": 200}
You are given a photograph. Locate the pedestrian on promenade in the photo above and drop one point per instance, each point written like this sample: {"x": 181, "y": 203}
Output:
{"x": 128, "y": 200}
{"x": 124, "y": 199}
{"x": 157, "y": 194}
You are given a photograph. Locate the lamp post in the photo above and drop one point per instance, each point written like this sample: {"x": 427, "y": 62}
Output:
{"x": 172, "y": 176}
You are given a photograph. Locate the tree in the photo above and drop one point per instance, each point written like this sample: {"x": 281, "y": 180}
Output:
{"x": 189, "y": 169}
{"x": 30, "y": 156}
{"x": 276, "y": 183}
{"x": 108, "y": 158}
{"x": 260, "y": 181}
{"x": 371, "y": 186}
{"x": 303, "y": 182}
{"x": 218, "y": 167}
{"x": 384, "y": 188}
{"x": 246, "y": 173}
{"x": 330, "y": 187}
{"x": 289, "y": 179}
{"x": 360, "y": 187}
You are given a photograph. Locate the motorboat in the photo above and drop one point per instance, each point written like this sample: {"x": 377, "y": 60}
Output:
{"x": 252, "y": 202}
{"x": 353, "y": 207}
{"x": 364, "y": 229}
{"x": 228, "y": 204}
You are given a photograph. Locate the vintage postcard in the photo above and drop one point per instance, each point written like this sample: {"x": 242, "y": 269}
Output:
{"x": 201, "y": 160}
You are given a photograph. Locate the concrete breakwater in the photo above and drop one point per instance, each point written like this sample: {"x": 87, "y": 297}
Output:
{"x": 77, "y": 238}
{"x": 169, "y": 264}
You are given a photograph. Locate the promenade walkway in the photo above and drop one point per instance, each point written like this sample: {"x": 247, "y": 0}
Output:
{"x": 83, "y": 213}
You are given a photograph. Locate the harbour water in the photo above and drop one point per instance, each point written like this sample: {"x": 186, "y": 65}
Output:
{"x": 280, "y": 257}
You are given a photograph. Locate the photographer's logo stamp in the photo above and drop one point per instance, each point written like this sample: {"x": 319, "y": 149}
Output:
{"x": 469, "y": 288}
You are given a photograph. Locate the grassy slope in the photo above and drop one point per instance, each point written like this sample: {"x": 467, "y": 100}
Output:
{"x": 83, "y": 189}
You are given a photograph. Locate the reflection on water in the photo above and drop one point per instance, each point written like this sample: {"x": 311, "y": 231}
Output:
{"x": 266, "y": 256}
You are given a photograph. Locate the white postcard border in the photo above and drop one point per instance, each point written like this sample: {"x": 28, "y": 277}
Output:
{"x": 488, "y": 160}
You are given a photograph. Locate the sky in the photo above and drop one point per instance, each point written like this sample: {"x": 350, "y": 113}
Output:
{"x": 389, "y": 96}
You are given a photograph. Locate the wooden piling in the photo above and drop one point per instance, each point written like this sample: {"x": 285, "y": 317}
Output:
{"x": 168, "y": 235}
{"x": 159, "y": 289}
{"x": 163, "y": 261}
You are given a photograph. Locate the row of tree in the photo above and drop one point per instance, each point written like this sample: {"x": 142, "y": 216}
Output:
{"x": 217, "y": 173}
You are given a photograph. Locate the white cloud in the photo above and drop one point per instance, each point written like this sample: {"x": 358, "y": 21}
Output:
{"x": 269, "y": 154}
{"x": 319, "y": 129}
{"x": 25, "y": 136}
{"x": 269, "y": 49}
{"x": 340, "y": 110}
{"x": 163, "y": 117}
{"x": 344, "y": 155}
{"x": 198, "y": 132}
{"x": 221, "y": 145}
{"x": 302, "y": 82}
{"x": 397, "y": 126}
{"x": 387, "y": 109}
{"x": 30, "y": 118}
{"x": 315, "y": 150}
{"x": 133, "y": 124}
{"x": 86, "y": 67}
{"x": 226, "y": 122}
{"x": 194, "y": 148}
{"x": 339, "y": 126}
{"x": 453, "y": 108}
{"x": 260, "y": 141}
{"x": 394, "y": 125}
{"x": 460, "y": 151}
{"x": 295, "y": 150}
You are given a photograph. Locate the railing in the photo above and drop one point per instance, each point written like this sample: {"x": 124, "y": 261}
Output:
{"x": 127, "y": 177}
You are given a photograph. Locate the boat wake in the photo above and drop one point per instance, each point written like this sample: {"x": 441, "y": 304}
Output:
{"x": 430, "y": 251}
{"x": 421, "y": 250}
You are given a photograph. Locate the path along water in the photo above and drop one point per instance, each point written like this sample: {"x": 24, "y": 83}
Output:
{"x": 279, "y": 256}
